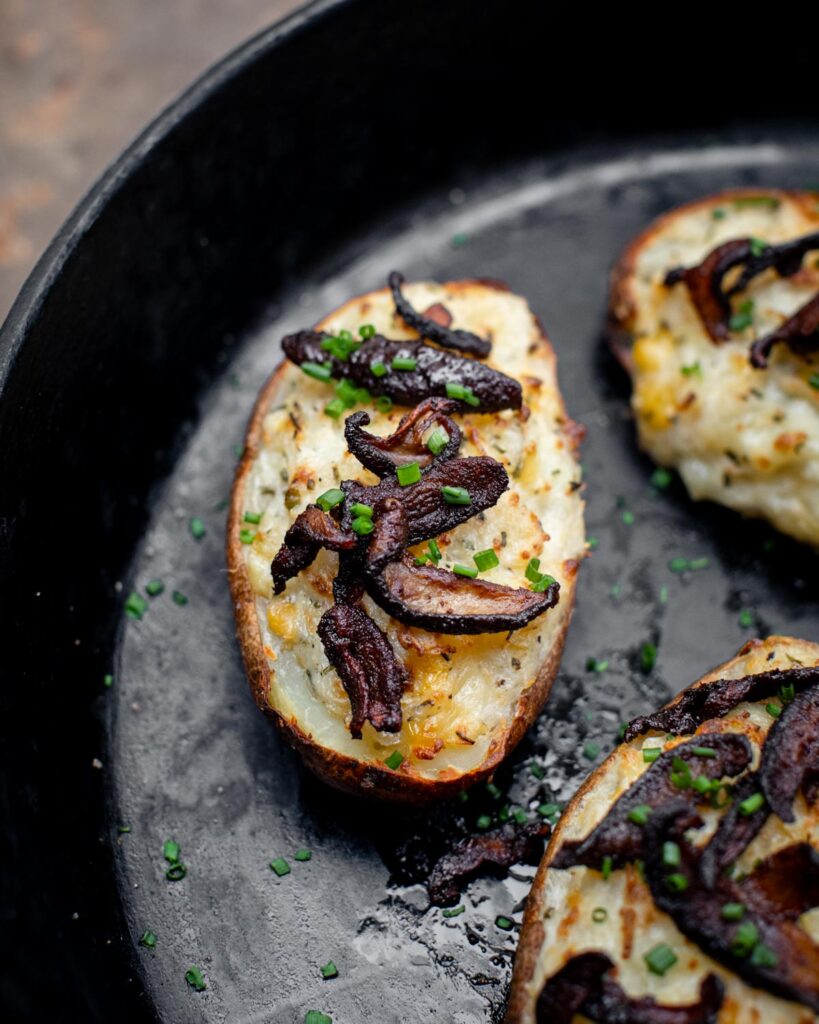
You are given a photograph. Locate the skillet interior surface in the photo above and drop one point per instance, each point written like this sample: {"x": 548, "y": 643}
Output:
{"x": 147, "y": 331}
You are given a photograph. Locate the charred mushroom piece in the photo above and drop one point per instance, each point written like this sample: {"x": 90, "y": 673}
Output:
{"x": 367, "y": 666}
{"x": 583, "y": 986}
{"x": 382, "y": 455}
{"x": 790, "y": 966}
{"x": 800, "y": 332}
{"x": 733, "y": 833}
{"x": 389, "y": 538}
{"x": 443, "y": 602}
{"x": 313, "y": 529}
{"x": 491, "y": 852}
{"x": 621, "y": 835}
{"x": 705, "y": 281}
{"x": 790, "y": 756}
{"x": 786, "y": 883}
{"x": 461, "y": 341}
{"x": 490, "y": 389}
{"x": 713, "y": 700}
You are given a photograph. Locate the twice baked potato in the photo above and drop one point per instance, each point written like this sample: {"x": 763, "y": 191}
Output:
{"x": 408, "y": 668}
{"x": 714, "y": 309}
{"x": 682, "y": 883}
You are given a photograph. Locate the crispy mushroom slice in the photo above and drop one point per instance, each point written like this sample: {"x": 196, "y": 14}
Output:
{"x": 790, "y": 756}
{"x": 383, "y": 455}
{"x": 621, "y": 834}
{"x": 366, "y": 663}
{"x": 434, "y": 370}
{"x": 443, "y": 602}
{"x": 313, "y": 529}
{"x": 800, "y": 332}
{"x": 461, "y": 341}
{"x": 389, "y": 537}
{"x": 733, "y": 833}
{"x": 787, "y": 882}
{"x": 583, "y": 985}
{"x": 490, "y": 852}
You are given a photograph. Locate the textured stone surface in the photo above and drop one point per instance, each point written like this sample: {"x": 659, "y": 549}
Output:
{"x": 79, "y": 79}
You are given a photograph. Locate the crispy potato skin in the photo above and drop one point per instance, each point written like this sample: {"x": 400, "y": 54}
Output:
{"x": 358, "y": 777}
{"x": 520, "y": 1005}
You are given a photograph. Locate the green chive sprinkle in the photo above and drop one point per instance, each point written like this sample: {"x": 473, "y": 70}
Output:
{"x": 771, "y": 202}
{"x": 108, "y": 680}
{"x": 660, "y": 959}
{"x": 434, "y": 552}
{"x": 345, "y": 336}
{"x": 197, "y": 528}
{"x": 280, "y": 866}
{"x": 813, "y": 380}
{"x": 484, "y": 821}
{"x": 506, "y": 924}
{"x": 253, "y": 517}
{"x": 703, "y": 752}
{"x": 687, "y": 564}
{"x": 746, "y": 618}
{"x": 537, "y": 770}
{"x": 302, "y": 855}
{"x": 194, "y": 978}
{"x": 148, "y": 940}
{"x": 462, "y": 393}
{"x": 383, "y": 403}
{"x": 758, "y": 246}
{"x": 692, "y": 370}
{"x": 395, "y": 760}
{"x": 599, "y": 915}
{"x": 316, "y": 370}
{"x": 650, "y": 754}
{"x": 247, "y": 536}
{"x": 763, "y": 956}
{"x": 606, "y": 867}
{"x": 701, "y": 784}
{"x": 409, "y": 474}
{"x": 176, "y": 872}
{"x": 316, "y": 1017}
{"x": 123, "y": 829}
{"x": 454, "y": 912}
{"x": 648, "y": 656}
{"x": 135, "y": 606}
{"x": 593, "y": 665}
{"x": 179, "y": 598}
{"x": 733, "y": 911}
{"x": 438, "y": 440}
{"x": 486, "y": 559}
{"x": 366, "y": 331}
{"x": 493, "y": 790}
{"x": 672, "y": 855}
{"x": 532, "y": 570}
{"x": 676, "y": 882}
{"x": 329, "y": 499}
{"x": 745, "y": 938}
{"x": 335, "y": 408}
{"x": 456, "y": 496}
{"x": 628, "y": 517}
{"x": 744, "y": 316}
{"x": 718, "y": 214}
{"x": 154, "y": 588}
{"x": 464, "y": 570}
{"x": 358, "y": 508}
{"x": 774, "y": 710}
{"x": 591, "y": 750}
{"x": 639, "y": 814}
{"x": 592, "y": 543}
{"x": 543, "y": 584}
{"x": 661, "y": 478}
{"x": 750, "y": 805}
{"x": 329, "y": 970}
{"x": 663, "y": 595}
{"x": 404, "y": 363}
{"x": 787, "y": 692}
{"x": 171, "y": 851}
{"x": 378, "y": 369}
{"x": 549, "y": 811}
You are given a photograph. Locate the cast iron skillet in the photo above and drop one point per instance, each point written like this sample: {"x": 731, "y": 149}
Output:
{"x": 272, "y": 186}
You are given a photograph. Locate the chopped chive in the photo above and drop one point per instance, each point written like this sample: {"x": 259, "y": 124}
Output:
{"x": 493, "y": 790}
{"x": 701, "y": 784}
{"x": 464, "y": 570}
{"x": 744, "y": 316}
{"x": 316, "y": 370}
{"x": 171, "y": 851}
{"x": 763, "y": 956}
{"x": 592, "y": 543}
{"x": 650, "y": 754}
{"x": 676, "y": 882}
{"x": 593, "y": 665}
{"x": 409, "y": 474}
{"x": 316, "y": 1017}
{"x": 335, "y": 408}
{"x": 179, "y": 598}
{"x": 591, "y": 750}
{"x": 537, "y": 770}
{"x": 154, "y": 588}
{"x": 549, "y": 811}
{"x": 750, "y": 805}
{"x": 628, "y": 517}
{"x": 438, "y": 440}
{"x": 733, "y": 911}
{"x": 280, "y": 866}
{"x": 698, "y": 563}
{"x": 504, "y": 923}
{"x": 456, "y": 496}
{"x": 197, "y": 528}
{"x": 148, "y": 940}
{"x": 532, "y": 570}
{"x": 543, "y": 584}
{"x": 520, "y": 816}
{"x": 462, "y": 393}
{"x": 358, "y": 508}
{"x": 454, "y": 912}
{"x": 606, "y": 867}
{"x": 745, "y": 938}
{"x": 692, "y": 370}
{"x": 746, "y": 618}
{"x": 718, "y": 214}
{"x": 758, "y": 246}
{"x": 395, "y": 760}
{"x": 378, "y": 369}
{"x": 345, "y": 336}
{"x": 366, "y": 331}
{"x": 621, "y": 732}
{"x": 383, "y": 403}
{"x": 247, "y": 536}
{"x": 176, "y": 872}
{"x": 672, "y": 855}
{"x": 599, "y": 915}
{"x": 774, "y": 710}
{"x": 302, "y": 855}
{"x": 639, "y": 814}
{"x": 787, "y": 692}
{"x": 813, "y": 380}
{"x": 253, "y": 517}
{"x": 329, "y": 970}
{"x": 347, "y": 392}
{"x": 486, "y": 559}
{"x": 687, "y": 564}
{"x": 404, "y": 363}
{"x": 329, "y": 499}
{"x": 484, "y": 821}
{"x": 660, "y": 959}
{"x": 135, "y": 606}
{"x": 194, "y": 978}
{"x": 663, "y": 595}
{"x": 703, "y": 752}
{"x": 661, "y": 478}
{"x": 648, "y": 656}
{"x": 771, "y": 202}
{"x": 434, "y": 552}
{"x": 108, "y": 680}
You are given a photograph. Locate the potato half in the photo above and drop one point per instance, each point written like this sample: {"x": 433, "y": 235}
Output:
{"x": 744, "y": 437}
{"x": 469, "y": 698}
{"x": 576, "y": 910}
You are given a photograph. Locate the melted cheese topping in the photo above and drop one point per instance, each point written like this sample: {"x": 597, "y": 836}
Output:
{"x": 566, "y": 899}
{"x": 464, "y": 691}
{"x": 744, "y": 437}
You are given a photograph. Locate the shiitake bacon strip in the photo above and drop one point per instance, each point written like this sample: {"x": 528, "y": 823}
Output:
{"x": 488, "y": 853}
{"x": 583, "y": 985}
{"x": 624, "y": 840}
{"x": 443, "y": 602}
{"x": 792, "y": 971}
{"x": 787, "y": 882}
{"x": 460, "y": 340}
{"x": 313, "y": 529}
{"x": 382, "y": 455}
{"x": 389, "y": 537}
{"x": 705, "y": 280}
{"x": 800, "y": 332}
{"x": 370, "y": 672}
{"x": 434, "y": 369}
{"x": 733, "y": 833}
{"x": 715, "y": 699}
{"x": 790, "y": 755}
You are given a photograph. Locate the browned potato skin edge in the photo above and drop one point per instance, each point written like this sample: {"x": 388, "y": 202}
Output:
{"x": 531, "y": 936}
{"x": 621, "y": 311}
{"x": 365, "y": 778}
